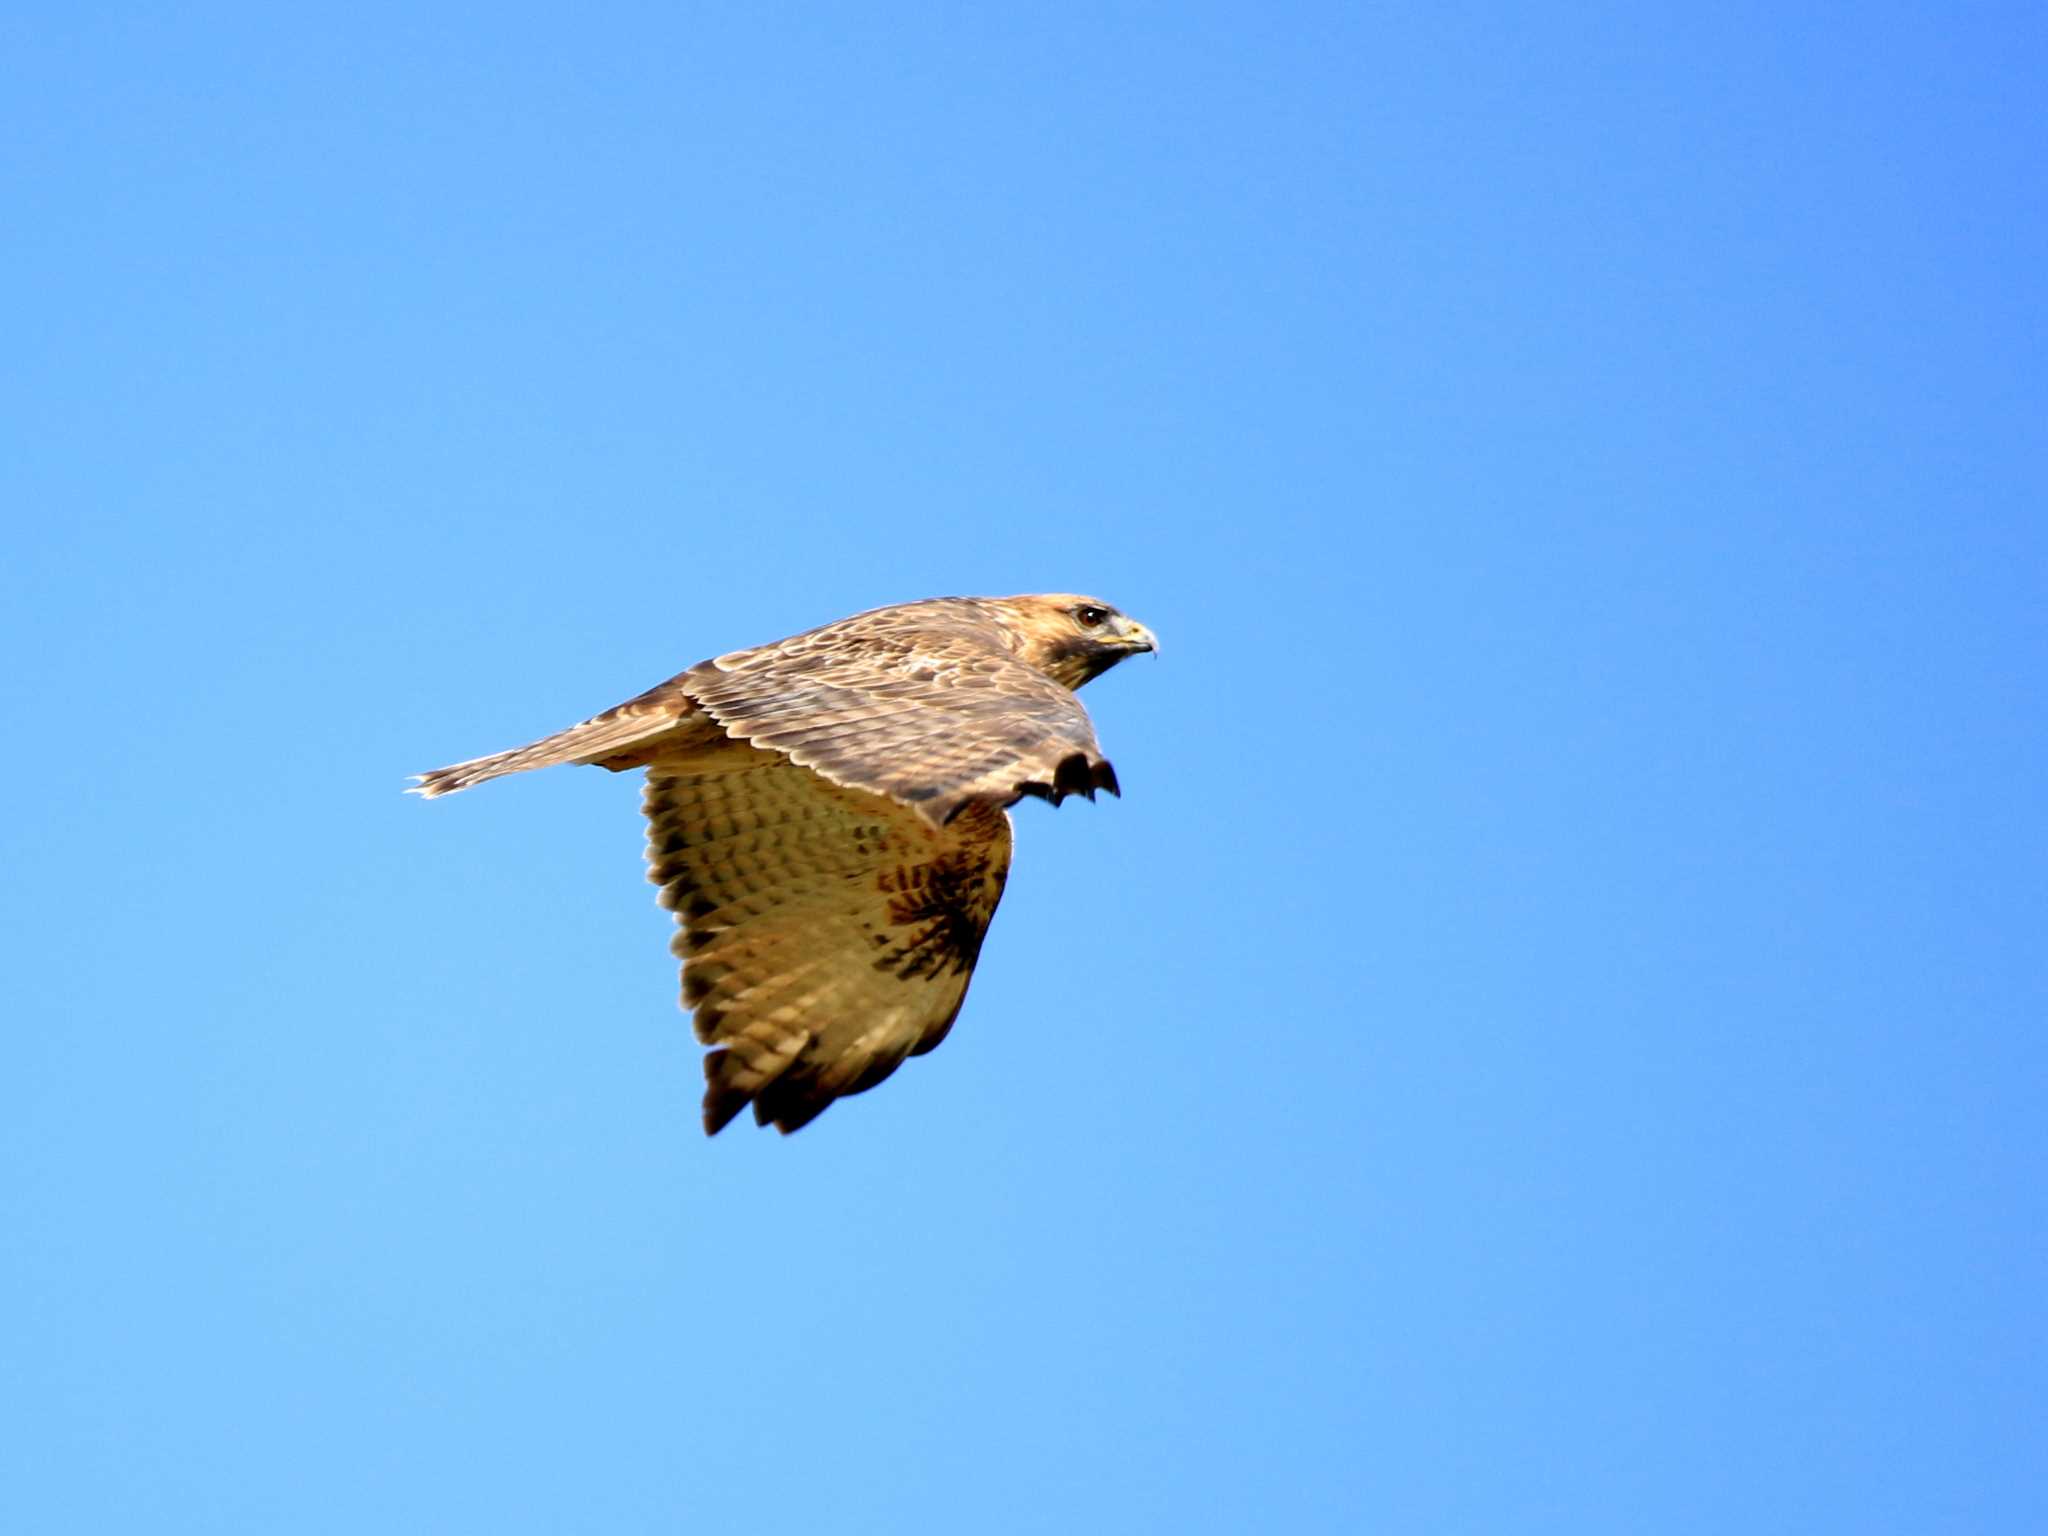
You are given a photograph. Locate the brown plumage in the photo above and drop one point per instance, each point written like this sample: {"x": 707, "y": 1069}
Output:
{"x": 827, "y": 819}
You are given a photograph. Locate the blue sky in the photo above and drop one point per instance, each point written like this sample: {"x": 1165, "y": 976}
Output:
{"x": 1551, "y": 1039}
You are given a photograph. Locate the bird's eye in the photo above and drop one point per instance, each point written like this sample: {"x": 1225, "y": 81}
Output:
{"x": 1091, "y": 616}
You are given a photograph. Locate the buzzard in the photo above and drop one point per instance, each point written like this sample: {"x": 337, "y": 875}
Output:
{"x": 827, "y": 818}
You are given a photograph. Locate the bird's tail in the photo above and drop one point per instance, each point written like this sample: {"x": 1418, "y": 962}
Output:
{"x": 615, "y": 739}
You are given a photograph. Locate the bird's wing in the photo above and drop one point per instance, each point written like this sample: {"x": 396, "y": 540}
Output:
{"x": 827, "y": 932}
{"x": 934, "y": 721}
{"x": 624, "y": 736}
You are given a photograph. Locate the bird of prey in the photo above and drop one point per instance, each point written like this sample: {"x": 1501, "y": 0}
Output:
{"x": 828, "y": 821}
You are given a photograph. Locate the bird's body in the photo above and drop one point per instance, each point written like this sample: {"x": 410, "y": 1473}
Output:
{"x": 827, "y": 819}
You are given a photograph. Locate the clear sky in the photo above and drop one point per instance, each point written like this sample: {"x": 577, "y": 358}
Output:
{"x": 1552, "y": 1039}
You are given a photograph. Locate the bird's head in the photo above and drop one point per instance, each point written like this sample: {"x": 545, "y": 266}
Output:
{"x": 1071, "y": 638}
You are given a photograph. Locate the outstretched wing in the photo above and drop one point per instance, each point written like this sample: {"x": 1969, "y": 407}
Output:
{"x": 624, "y": 736}
{"x": 937, "y": 716}
{"x": 827, "y": 932}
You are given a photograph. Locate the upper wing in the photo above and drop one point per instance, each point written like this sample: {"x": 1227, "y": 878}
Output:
{"x": 933, "y": 720}
{"x": 624, "y": 736}
{"x": 827, "y": 933}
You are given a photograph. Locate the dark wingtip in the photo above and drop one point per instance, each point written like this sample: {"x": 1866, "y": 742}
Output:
{"x": 790, "y": 1102}
{"x": 720, "y": 1105}
{"x": 1105, "y": 778}
{"x": 722, "y": 1100}
{"x": 1073, "y": 776}
{"x": 791, "y": 1115}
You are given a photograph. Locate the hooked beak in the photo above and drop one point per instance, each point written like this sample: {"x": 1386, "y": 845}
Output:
{"x": 1136, "y": 637}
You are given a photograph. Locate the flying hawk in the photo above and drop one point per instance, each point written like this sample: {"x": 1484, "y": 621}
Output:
{"x": 827, "y": 820}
